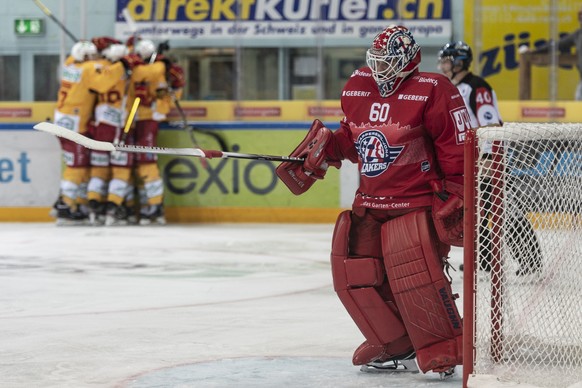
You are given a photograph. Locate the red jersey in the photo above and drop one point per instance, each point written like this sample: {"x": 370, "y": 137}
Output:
{"x": 403, "y": 141}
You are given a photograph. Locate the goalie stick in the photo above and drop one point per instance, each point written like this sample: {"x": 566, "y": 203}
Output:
{"x": 197, "y": 152}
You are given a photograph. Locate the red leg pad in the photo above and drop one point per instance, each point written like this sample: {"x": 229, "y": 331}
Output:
{"x": 355, "y": 279}
{"x": 421, "y": 290}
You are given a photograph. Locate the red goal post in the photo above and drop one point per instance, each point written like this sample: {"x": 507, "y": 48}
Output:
{"x": 523, "y": 255}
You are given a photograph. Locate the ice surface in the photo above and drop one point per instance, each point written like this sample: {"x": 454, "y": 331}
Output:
{"x": 228, "y": 305}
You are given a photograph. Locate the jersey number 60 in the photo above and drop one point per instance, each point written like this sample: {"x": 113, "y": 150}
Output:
{"x": 379, "y": 112}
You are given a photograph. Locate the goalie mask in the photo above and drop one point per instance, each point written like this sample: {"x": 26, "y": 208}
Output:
{"x": 394, "y": 55}
{"x": 454, "y": 57}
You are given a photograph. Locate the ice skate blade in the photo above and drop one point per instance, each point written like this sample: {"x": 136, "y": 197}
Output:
{"x": 147, "y": 222}
{"x": 112, "y": 221}
{"x": 402, "y": 366}
{"x": 69, "y": 222}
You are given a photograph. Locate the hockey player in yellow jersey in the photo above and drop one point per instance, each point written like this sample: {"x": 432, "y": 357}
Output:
{"x": 81, "y": 79}
{"x": 150, "y": 85}
{"x": 176, "y": 82}
{"x": 74, "y": 108}
{"x": 111, "y": 172}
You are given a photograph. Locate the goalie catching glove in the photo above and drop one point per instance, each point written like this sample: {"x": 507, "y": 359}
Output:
{"x": 447, "y": 211}
{"x": 299, "y": 177}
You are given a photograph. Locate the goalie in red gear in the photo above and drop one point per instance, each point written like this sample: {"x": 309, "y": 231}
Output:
{"x": 405, "y": 129}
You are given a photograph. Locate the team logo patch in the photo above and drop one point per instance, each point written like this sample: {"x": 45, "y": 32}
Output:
{"x": 66, "y": 122}
{"x": 375, "y": 153}
{"x": 462, "y": 122}
{"x": 425, "y": 166}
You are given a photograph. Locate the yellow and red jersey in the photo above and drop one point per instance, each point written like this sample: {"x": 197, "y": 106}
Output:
{"x": 149, "y": 83}
{"x": 112, "y": 104}
{"x": 80, "y": 84}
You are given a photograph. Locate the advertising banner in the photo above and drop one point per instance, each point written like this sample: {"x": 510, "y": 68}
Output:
{"x": 281, "y": 19}
{"x": 30, "y": 168}
{"x": 238, "y": 182}
{"x": 508, "y": 24}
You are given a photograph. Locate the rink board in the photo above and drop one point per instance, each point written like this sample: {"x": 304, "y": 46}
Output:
{"x": 222, "y": 190}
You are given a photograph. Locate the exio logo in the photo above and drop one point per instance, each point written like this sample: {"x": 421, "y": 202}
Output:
{"x": 182, "y": 176}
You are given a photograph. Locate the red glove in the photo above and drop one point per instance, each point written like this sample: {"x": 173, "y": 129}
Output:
{"x": 130, "y": 61}
{"x": 141, "y": 91}
{"x": 102, "y": 42}
{"x": 299, "y": 177}
{"x": 176, "y": 76}
{"x": 447, "y": 211}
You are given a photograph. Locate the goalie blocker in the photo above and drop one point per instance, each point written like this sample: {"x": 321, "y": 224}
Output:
{"x": 300, "y": 177}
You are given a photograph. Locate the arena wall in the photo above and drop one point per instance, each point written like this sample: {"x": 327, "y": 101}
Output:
{"x": 226, "y": 190}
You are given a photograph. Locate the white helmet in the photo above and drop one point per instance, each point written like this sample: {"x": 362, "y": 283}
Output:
{"x": 115, "y": 52}
{"x": 145, "y": 48}
{"x": 83, "y": 51}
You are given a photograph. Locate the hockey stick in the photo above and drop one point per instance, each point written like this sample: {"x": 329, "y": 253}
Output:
{"x": 219, "y": 139}
{"x": 190, "y": 129}
{"x": 129, "y": 121}
{"x": 185, "y": 125}
{"x": 48, "y": 13}
{"x": 198, "y": 152}
{"x": 130, "y": 22}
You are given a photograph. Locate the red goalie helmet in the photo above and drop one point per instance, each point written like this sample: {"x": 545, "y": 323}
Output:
{"x": 393, "y": 56}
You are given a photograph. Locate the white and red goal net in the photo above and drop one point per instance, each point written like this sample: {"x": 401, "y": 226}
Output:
{"x": 523, "y": 255}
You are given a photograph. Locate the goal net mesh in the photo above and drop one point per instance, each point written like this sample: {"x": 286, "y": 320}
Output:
{"x": 528, "y": 253}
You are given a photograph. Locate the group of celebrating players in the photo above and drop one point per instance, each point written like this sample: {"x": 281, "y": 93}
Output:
{"x": 101, "y": 81}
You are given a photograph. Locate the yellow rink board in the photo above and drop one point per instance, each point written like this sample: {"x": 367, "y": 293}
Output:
{"x": 198, "y": 215}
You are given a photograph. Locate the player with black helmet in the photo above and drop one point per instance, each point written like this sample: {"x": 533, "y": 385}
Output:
{"x": 454, "y": 61}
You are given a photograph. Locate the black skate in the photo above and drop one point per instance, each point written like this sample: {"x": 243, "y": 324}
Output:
{"x": 96, "y": 213}
{"x": 116, "y": 215}
{"x": 152, "y": 215}
{"x": 65, "y": 216}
